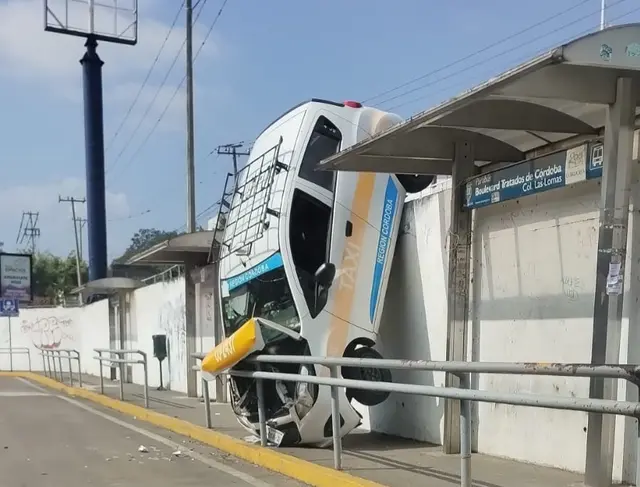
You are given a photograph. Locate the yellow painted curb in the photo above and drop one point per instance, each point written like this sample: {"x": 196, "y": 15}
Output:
{"x": 288, "y": 465}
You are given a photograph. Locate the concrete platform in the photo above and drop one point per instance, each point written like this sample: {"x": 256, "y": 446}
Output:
{"x": 51, "y": 440}
{"x": 390, "y": 461}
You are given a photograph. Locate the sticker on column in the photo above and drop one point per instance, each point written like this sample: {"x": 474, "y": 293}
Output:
{"x": 614, "y": 279}
{"x": 575, "y": 167}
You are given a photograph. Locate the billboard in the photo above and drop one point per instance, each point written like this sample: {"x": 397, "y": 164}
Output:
{"x": 16, "y": 276}
{"x": 104, "y": 20}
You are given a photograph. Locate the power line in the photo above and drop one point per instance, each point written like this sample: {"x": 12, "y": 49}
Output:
{"x": 73, "y": 202}
{"x": 29, "y": 230}
{"x": 146, "y": 79}
{"x": 476, "y": 53}
{"x": 495, "y": 56}
{"x": 232, "y": 150}
{"x": 177, "y": 90}
{"x": 156, "y": 94}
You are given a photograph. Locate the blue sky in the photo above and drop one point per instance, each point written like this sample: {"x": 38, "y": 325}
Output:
{"x": 261, "y": 59}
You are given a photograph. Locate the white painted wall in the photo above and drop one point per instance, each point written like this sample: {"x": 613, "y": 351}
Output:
{"x": 532, "y": 300}
{"x": 159, "y": 309}
{"x": 81, "y": 329}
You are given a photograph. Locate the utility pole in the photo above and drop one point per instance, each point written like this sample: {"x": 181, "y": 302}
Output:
{"x": 73, "y": 202}
{"x": 232, "y": 150}
{"x": 189, "y": 265}
{"x": 191, "y": 178}
{"x": 81, "y": 223}
{"x": 28, "y": 230}
{"x": 603, "y": 8}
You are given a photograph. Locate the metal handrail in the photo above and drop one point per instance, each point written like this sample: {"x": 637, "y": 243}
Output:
{"x": 121, "y": 361}
{"x": 51, "y": 354}
{"x": 465, "y": 393}
{"x": 18, "y": 351}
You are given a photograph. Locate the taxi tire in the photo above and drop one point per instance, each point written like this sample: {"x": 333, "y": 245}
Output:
{"x": 415, "y": 183}
{"x": 366, "y": 398}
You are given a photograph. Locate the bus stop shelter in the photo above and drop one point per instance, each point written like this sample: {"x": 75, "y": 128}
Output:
{"x": 192, "y": 251}
{"x": 581, "y": 94}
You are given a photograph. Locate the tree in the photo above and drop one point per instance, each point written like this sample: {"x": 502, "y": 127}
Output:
{"x": 144, "y": 239}
{"x": 54, "y": 277}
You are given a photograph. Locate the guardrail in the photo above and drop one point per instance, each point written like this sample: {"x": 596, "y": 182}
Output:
{"x": 172, "y": 272}
{"x": 121, "y": 362}
{"x": 464, "y": 393}
{"x": 49, "y": 356}
{"x": 11, "y": 351}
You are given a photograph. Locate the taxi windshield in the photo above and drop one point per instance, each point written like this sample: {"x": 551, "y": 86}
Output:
{"x": 267, "y": 296}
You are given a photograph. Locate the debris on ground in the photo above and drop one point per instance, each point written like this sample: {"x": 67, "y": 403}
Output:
{"x": 143, "y": 449}
{"x": 177, "y": 453}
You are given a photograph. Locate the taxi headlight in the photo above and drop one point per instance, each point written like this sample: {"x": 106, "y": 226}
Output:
{"x": 305, "y": 394}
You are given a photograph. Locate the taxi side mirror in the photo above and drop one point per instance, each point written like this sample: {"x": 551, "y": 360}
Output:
{"x": 325, "y": 275}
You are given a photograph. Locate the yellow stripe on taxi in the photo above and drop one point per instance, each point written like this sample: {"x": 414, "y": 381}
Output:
{"x": 246, "y": 340}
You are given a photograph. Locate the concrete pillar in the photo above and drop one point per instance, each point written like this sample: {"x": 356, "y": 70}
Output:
{"x": 458, "y": 286}
{"x": 608, "y": 300}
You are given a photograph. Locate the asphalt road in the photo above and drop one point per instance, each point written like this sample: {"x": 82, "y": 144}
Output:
{"x": 50, "y": 440}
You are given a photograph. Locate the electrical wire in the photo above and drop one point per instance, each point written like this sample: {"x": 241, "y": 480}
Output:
{"x": 177, "y": 90}
{"x": 156, "y": 94}
{"x": 472, "y": 55}
{"x": 146, "y": 79}
{"x": 567, "y": 39}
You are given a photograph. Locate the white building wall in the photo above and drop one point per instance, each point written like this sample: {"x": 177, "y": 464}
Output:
{"x": 82, "y": 329}
{"x": 533, "y": 281}
{"x": 159, "y": 309}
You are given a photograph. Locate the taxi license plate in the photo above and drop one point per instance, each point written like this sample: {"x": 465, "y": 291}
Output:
{"x": 274, "y": 436}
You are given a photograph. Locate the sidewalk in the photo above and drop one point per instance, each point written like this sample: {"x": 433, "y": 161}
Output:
{"x": 390, "y": 461}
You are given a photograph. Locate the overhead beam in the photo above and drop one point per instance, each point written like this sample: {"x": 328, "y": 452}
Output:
{"x": 394, "y": 165}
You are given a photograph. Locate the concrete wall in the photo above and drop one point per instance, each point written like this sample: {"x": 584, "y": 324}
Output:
{"x": 533, "y": 282}
{"x": 82, "y": 329}
{"x": 159, "y": 309}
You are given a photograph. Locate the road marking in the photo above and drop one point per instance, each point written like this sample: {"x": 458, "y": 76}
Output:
{"x": 176, "y": 446}
{"x": 23, "y": 394}
{"x": 31, "y": 384}
{"x": 304, "y": 471}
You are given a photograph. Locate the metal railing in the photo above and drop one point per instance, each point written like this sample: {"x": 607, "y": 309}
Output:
{"x": 11, "y": 351}
{"x": 121, "y": 361}
{"x": 49, "y": 357}
{"x": 166, "y": 275}
{"x": 465, "y": 393}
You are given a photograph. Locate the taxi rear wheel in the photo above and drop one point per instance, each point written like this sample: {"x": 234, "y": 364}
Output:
{"x": 370, "y": 374}
{"x": 415, "y": 183}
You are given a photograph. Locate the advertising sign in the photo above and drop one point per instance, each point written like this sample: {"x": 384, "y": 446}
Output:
{"x": 533, "y": 176}
{"x": 16, "y": 277}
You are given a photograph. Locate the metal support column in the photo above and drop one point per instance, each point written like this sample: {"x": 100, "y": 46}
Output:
{"x": 190, "y": 327}
{"x": 612, "y": 249}
{"x": 94, "y": 146}
{"x": 458, "y": 286}
{"x": 218, "y": 331}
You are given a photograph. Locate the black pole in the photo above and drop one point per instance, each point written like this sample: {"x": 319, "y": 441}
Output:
{"x": 161, "y": 388}
{"x": 94, "y": 147}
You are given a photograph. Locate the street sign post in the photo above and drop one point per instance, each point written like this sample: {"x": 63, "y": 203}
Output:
{"x": 9, "y": 309}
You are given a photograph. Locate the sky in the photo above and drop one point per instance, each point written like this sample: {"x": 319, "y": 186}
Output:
{"x": 260, "y": 59}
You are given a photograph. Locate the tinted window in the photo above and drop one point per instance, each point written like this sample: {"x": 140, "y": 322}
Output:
{"x": 309, "y": 234}
{"x": 324, "y": 142}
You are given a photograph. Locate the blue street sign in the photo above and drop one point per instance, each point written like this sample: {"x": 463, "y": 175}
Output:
{"x": 533, "y": 176}
{"x": 8, "y": 307}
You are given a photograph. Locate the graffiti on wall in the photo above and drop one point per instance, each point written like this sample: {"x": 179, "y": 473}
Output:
{"x": 48, "y": 332}
{"x": 172, "y": 323}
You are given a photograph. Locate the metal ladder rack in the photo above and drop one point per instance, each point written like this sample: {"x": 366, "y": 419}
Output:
{"x": 245, "y": 209}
